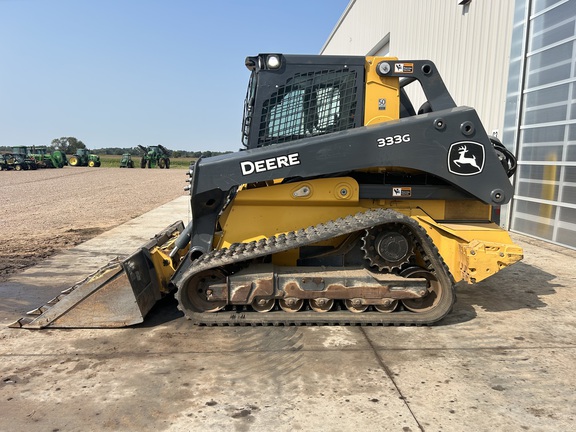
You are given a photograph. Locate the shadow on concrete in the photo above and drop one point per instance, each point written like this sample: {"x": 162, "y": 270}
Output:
{"x": 164, "y": 311}
{"x": 519, "y": 287}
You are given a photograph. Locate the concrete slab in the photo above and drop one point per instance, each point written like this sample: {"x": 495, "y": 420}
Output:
{"x": 503, "y": 360}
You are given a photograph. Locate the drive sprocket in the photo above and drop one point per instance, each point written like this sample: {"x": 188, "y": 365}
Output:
{"x": 388, "y": 247}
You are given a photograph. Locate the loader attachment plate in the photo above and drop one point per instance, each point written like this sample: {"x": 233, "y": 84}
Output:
{"x": 117, "y": 295}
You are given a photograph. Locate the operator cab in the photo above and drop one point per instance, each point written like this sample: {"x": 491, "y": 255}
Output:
{"x": 292, "y": 97}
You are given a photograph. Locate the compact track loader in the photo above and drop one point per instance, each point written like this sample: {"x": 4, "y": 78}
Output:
{"x": 347, "y": 206}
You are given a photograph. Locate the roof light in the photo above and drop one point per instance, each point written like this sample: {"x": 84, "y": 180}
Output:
{"x": 273, "y": 62}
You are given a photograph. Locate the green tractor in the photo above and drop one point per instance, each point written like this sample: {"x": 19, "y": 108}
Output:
{"x": 42, "y": 157}
{"x": 155, "y": 156}
{"x": 83, "y": 157}
{"x": 17, "y": 162}
{"x": 126, "y": 161}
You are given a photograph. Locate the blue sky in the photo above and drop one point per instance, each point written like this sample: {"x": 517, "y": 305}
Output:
{"x": 118, "y": 73}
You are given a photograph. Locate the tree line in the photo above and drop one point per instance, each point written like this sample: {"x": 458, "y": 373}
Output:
{"x": 69, "y": 145}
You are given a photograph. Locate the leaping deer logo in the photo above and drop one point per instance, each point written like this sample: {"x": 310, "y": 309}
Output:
{"x": 464, "y": 160}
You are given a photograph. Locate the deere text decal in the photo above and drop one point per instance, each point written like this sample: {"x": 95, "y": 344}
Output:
{"x": 263, "y": 165}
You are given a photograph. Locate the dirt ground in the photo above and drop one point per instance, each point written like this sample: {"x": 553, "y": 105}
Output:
{"x": 46, "y": 211}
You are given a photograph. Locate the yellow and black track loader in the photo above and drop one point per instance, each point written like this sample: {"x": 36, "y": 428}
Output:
{"x": 347, "y": 206}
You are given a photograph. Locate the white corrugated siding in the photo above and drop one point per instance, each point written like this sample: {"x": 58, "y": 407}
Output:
{"x": 470, "y": 45}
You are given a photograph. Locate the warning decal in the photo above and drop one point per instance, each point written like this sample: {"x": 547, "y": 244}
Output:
{"x": 404, "y": 67}
{"x": 404, "y": 192}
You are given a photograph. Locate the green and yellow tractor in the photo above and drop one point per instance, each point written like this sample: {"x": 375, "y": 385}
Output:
{"x": 17, "y": 162}
{"x": 126, "y": 161}
{"x": 83, "y": 157}
{"x": 155, "y": 156}
{"x": 43, "y": 157}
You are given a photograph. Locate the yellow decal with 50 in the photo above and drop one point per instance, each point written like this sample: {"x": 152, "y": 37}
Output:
{"x": 394, "y": 139}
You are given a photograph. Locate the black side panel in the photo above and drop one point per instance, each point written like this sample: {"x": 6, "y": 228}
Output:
{"x": 450, "y": 144}
{"x": 430, "y": 143}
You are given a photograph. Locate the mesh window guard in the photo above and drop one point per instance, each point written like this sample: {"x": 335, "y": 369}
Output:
{"x": 309, "y": 104}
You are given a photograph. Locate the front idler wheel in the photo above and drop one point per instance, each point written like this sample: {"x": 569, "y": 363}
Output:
{"x": 195, "y": 295}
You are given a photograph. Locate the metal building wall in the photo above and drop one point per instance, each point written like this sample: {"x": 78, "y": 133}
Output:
{"x": 470, "y": 44}
{"x": 541, "y": 119}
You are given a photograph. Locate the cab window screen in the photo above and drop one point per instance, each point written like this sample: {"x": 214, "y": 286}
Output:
{"x": 309, "y": 104}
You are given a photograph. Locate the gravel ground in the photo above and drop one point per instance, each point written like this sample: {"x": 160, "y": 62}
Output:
{"x": 45, "y": 211}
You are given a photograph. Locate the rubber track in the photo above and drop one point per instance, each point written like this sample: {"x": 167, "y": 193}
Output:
{"x": 240, "y": 252}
